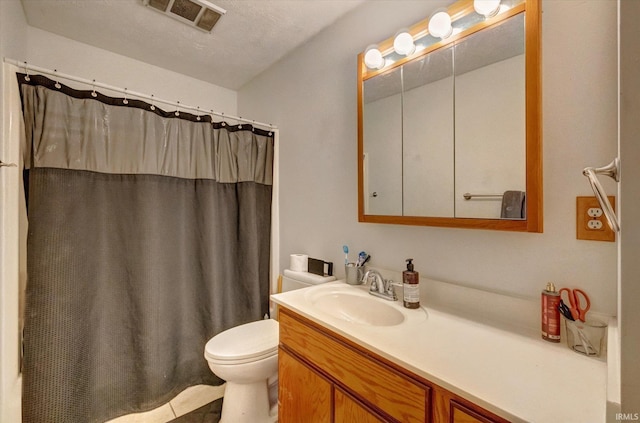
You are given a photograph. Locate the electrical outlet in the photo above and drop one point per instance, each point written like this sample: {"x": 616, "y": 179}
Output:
{"x": 595, "y": 224}
{"x": 594, "y": 212}
{"x": 591, "y": 223}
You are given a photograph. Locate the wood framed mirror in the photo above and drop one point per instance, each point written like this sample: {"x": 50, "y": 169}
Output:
{"x": 450, "y": 134}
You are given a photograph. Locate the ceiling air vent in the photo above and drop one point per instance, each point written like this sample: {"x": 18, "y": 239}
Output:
{"x": 197, "y": 13}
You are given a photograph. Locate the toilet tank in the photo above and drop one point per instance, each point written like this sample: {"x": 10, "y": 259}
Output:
{"x": 295, "y": 280}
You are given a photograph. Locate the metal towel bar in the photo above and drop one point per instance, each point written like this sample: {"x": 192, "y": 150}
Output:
{"x": 468, "y": 196}
{"x": 613, "y": 171}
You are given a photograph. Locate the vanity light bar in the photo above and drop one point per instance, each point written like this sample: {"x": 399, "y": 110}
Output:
{"x": 441, "y": 25}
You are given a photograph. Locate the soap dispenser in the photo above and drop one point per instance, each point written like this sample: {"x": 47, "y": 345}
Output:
{"x": 411, "y": 286}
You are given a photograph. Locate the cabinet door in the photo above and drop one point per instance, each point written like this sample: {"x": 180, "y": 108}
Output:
{"x": 347, "y": 410}
{"x": 303, "y": 395}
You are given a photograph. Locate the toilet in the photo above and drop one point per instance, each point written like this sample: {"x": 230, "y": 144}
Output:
{"x": 246, "y": 357}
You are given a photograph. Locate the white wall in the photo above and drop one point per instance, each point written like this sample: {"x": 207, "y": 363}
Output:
{"x": 74, "y": 58}
{"x": 311, "y": 96}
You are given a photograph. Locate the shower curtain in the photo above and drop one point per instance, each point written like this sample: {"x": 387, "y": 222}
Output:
{"x": 148, "y": 234}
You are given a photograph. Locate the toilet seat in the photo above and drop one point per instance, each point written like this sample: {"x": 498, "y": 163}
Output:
{"x": 245, "y": 343}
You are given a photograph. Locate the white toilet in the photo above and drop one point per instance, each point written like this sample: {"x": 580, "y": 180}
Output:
{"x": 246, "y": 357}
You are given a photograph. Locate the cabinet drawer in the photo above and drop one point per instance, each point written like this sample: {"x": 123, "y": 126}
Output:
{"x": 373, "y": 383}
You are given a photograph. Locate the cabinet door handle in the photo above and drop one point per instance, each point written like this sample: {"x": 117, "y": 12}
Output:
{"x": 3, "y": 164}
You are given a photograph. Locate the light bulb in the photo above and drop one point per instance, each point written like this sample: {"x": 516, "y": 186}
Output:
{"x": 440, "y": 25}
{"x": 487, "y": 8}
{"x": 373, "y": 58}
{"x": 403, "y": 43}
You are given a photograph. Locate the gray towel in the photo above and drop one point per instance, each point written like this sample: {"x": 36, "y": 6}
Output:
{"x": 513, "y": 205}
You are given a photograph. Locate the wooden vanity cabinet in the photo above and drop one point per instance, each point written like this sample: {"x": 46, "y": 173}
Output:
{"x": 324, "y": 377}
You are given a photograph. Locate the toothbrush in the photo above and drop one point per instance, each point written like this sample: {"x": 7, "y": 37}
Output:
{"x": 361, "y": 257}
{"x": 346, "y": 254}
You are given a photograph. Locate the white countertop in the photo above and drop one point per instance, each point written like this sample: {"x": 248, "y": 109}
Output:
{"x": 517, "y": 376}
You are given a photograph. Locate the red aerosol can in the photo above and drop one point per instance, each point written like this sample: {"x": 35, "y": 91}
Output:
{"x": 550, "y": 314}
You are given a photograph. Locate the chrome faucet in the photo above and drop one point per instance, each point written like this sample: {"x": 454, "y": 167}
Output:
{"x": 380, "y": 287}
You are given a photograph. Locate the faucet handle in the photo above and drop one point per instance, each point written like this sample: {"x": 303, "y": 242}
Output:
{"x": 392, "y": 284}
{"x": 390, "y": 291}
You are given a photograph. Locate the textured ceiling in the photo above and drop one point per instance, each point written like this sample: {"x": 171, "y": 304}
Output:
{"x": 252, "y": 35}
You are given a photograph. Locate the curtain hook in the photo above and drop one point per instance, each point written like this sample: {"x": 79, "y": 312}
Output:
{"x": 125, "y": 101}
{"x": 93, "y": 89}
{"x": 152, "y": 107}
{"x": 240, "y": 122}
{"x": 57, "y": 85}
{"x": 223, "y": 122}
{"x": 177, "y": 113}
{"x": 26, "y": 71}
{"x": 198, "y": 117}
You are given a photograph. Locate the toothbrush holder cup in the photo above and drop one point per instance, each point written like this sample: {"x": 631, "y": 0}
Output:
{"x": 354, "y": 273}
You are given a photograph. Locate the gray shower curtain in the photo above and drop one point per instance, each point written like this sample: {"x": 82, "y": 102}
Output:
{"x": 148, "y": 234}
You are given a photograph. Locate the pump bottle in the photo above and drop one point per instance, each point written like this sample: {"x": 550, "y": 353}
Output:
{"x": 550, "y": 314}
{"x": 411, "y": 286}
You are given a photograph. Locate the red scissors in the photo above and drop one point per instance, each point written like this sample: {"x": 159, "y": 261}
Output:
{"x": 577, "y": 312}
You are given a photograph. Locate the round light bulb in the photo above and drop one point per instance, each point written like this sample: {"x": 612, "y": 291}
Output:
{"x": 487, "y": 8}
{"x": 440, "y": 25}
{"x": 373, "y": 58}
{"x": 403, "y": 43}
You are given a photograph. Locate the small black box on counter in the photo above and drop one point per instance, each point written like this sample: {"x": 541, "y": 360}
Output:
{"x": 320, "y": 267}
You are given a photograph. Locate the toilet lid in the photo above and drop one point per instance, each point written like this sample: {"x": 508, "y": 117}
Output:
{"x": 253, "y": 340}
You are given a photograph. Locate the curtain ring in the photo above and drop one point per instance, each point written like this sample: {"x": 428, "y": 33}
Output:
{"x": 57, "y": 84}
{"x": 177, "y": 112}
{"x": 223, "y": 122}
{"x": 125, "y": 101}
{"x": 152, "y": 107}
{"x": 93, "y": 89}
{"x": 198, "y": 117}
{"x": 26, "y": 71}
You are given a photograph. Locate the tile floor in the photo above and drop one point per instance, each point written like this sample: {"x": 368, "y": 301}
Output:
{"x": 188, "y": 400}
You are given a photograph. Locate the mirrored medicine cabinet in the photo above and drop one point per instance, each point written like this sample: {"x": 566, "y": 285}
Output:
{"x": 450, "y": 133}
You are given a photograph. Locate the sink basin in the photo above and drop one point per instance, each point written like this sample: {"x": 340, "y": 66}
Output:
{"x": 356, "y": 305}
{"x": 357, "y": 309}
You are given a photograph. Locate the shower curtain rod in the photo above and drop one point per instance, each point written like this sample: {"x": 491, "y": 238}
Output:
{"x": 126, "y": 92}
